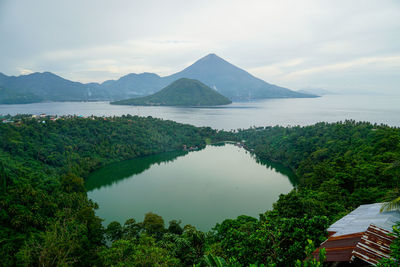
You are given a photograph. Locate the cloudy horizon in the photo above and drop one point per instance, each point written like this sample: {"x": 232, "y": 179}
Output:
{"x": 339, "y": 45}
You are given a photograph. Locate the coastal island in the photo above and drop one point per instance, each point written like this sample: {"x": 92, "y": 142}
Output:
{"x": 182, "y": 92}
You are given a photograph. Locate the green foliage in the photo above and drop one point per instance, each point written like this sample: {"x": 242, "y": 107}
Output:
{"x": 46, "y": 218}
{"x": 340, "y": 165}
{"x": 186, "y": 249}
{"x": 395, "y": 250}
{"x": 60, "y": 244}
{"x": 41, "y": 165}
{"x": 270, "y": 240}
{"x": 235, "y": 238}
{"x": 143, "y": 252}
{"x": 131, "y": 229}
{"x": 72, "y": 183}
{"x": 310, "y": 261}
{"x": 175, "y": 228}
{"x": 72, "y": 238}
{"x": 153, "y": 224}
{"x": 213, "y": 261}
{"x": 114, "y": 231}
{"x": 182, "y": 92}
{"x": 196, "y": 239}
{"x": 393, "y": 204}
{"x": 180, "y": 247}
{"x": 395, "y": 246}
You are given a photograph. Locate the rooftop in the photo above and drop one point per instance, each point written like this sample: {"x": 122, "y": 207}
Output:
{"x": 360, "y": 219}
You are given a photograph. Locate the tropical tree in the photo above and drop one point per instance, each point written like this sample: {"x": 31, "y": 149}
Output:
{"x": 114, "y": 231}
{"x": 153, "y": 224}
{"x": 391, "y": 205}
{"x": 394, "y": 203}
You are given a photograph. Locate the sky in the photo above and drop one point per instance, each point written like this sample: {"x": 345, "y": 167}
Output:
{"x": 341, "y": 45}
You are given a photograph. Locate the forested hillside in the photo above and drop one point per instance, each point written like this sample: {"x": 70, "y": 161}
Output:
{"x": 46, "y": 218}
{"x": 45, "y": 215}
{"x": 340, "y": 165}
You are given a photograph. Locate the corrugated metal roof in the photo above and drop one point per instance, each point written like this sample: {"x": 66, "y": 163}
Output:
{"x": 363, "y": 233}
{"x": 359, "y": 220}
{"x": 339, "y": 248}
{"x": 374, "y": 245}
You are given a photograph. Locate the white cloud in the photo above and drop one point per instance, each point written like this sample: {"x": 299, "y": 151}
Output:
{"x": 23, "y": 71}
{"x": 277, "y": 69}
{"x": 384, "y": 61}
{"x": 290, "y": 43}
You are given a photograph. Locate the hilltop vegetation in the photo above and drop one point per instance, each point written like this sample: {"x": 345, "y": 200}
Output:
{"x": 340, "y": 165}
{"x": 45, "y": 215}
{"x": 183, "y": 92}
{"x": 46, "y": 218}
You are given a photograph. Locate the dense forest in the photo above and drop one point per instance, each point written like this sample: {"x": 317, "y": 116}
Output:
{"x": 46, "y": 218}
{"x": 340, "y": 165}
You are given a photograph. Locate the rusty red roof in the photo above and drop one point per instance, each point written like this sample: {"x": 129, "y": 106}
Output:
{"x": 339, "y": 248}
{"x": 363, "y": 234}
{"x": 374, "y": 245}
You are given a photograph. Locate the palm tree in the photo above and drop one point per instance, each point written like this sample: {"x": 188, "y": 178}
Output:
{"x": 391, "y": 205}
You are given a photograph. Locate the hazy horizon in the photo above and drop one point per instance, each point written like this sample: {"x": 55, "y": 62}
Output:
{"x": 339, "y": 46}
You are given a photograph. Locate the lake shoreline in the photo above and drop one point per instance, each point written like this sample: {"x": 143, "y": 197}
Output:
{"x": 178, "y": 186}
{"x": 239, "y": 115}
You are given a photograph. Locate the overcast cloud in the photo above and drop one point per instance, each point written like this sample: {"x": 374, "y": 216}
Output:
{"x": 336, "y": 45}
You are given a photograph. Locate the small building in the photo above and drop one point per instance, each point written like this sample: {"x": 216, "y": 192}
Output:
{"x": 362, "y": 237}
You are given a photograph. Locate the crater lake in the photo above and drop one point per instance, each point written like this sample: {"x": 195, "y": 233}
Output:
{"x": 200, "y": 188}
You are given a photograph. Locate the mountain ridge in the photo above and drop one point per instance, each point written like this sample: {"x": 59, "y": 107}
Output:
{"x": 232, "y": 81}
{"x": 229, "y": 80}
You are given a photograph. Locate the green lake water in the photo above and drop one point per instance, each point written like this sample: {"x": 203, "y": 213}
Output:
{"x": 200, "y": 188}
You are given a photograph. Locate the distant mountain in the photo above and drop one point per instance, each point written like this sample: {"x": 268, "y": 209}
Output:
{"x": 315, "y": 91}
{"x": 227, "y": 79}
{"x": 46, "y": 86}
{"x": 215, "y": 72}
{"x": 182, "y": 92}
{"x": 134, "y": 85}
{"x": 8, "y": 96}
{"x": 231, "y": 81}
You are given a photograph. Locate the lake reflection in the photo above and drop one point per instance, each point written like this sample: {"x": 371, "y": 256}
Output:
{"x": 200, "y": 188}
